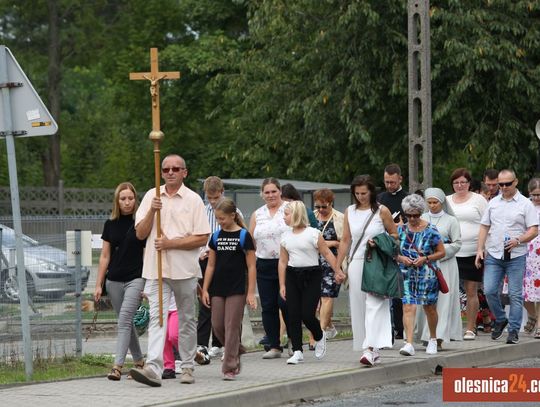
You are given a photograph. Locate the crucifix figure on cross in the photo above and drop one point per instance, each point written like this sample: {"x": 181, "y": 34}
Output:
{"x": 156, "y": 135}
{"x": 154, "y": 76}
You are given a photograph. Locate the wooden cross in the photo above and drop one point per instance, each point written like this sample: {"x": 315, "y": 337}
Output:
{"x": 154, "y": 76}
{"x": 156, "y": 135}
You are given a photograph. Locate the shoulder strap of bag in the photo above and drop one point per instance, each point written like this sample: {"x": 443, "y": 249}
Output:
{"x": 328, "y": 221}
{"x": 362, "y": 235}
{"x": 243, "y": 233}
{"x": 215, "y": 236}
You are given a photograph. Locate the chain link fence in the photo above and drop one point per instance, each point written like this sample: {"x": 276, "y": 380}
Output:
{"x": 51, "y": 285}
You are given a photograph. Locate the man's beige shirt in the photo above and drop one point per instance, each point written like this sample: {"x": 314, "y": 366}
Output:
{"x": 182, "y": 214}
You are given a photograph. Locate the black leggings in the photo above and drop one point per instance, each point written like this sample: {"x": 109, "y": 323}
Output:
{"x": 303, "y": 292}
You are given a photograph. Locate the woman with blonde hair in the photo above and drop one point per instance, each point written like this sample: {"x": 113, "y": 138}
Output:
{"x": 120, "y": 269}
{"x": 300, "y": 278}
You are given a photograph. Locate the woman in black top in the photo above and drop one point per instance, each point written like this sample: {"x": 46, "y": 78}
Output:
{"x": 120, "y": 267}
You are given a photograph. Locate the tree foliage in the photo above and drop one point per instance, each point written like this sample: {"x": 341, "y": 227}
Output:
{"x": 294, "y": 89}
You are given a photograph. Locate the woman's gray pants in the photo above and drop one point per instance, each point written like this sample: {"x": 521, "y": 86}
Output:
{"x": 126, "y": 298}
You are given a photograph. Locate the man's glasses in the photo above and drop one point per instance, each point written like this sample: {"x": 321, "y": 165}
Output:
{"x": 173, "y": 169}
{"x": 412, "y": 215}
{"x": 506, "y": 184}
{"x": 460, "y": 182}
{"x": 321, "y": 206}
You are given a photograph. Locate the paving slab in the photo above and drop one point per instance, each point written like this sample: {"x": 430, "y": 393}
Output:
{"x": 269, "y": 382}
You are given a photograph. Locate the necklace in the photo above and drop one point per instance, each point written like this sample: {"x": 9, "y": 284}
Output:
{"x": 438, "y": 216}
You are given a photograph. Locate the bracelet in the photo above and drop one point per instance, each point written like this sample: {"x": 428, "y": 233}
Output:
{"x": 519, "y": 241}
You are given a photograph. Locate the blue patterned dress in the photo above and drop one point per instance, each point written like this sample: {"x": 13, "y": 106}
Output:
{"x": 421, "y": 285}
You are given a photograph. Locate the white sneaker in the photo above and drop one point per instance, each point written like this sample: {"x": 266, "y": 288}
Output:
{"x": 296, "y": 358}
{"x": 408, "y": 349}
{"x": 431, "y": 348}
{"x": 320, "y": 346}
{"x": 214, "y": 352}
{"x": 370, "y": 357}
{"x": 331, "y": 333}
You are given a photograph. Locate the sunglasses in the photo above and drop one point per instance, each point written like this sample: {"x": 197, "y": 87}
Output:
{"x": 321, "y": 206}
{"x": 412, "y": 215}
{"x": 506, "y": 184}
{"x": 173, "y": 169}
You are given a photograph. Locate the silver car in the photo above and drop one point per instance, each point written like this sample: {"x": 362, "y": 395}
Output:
{"x": 47, "y": 273}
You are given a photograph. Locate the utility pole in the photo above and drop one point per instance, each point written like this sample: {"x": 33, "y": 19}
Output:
{"x": 419, "y": 60}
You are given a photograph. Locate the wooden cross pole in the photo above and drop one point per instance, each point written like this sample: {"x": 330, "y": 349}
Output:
{"x": 156, "y": 135}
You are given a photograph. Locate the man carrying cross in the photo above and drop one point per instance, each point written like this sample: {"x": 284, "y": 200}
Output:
{"x": 185, "y": 229}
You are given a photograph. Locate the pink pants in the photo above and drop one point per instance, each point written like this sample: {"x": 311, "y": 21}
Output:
{"x": 171, "y": 340}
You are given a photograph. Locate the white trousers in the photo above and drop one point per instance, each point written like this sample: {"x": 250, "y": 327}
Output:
{"x": 184, "y": 294}
{"x": 370, "y": 315}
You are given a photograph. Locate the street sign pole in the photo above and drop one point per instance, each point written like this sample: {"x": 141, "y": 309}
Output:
{"x": 23, "y": 114}
{"x": 17, "y": 227}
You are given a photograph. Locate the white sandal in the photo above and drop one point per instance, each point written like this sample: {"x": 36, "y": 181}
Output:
{"x": 469, "y": 336}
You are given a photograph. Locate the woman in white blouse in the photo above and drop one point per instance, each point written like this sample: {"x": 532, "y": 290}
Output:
{"x": 266, "y": 226}
{"x": 468, "y": 208}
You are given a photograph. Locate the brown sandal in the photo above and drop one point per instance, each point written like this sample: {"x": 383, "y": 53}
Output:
{"x": 115, "y": 374}
{"x": 529, "y": 326}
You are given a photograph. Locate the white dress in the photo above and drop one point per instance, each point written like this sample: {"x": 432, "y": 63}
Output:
{"x": 370, "y": 315}
{"x": 449, "y": 325}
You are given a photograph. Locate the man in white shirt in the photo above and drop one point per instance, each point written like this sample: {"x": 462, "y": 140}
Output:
{"x": 185, "y": 229}
{"x": 509, "y": 221}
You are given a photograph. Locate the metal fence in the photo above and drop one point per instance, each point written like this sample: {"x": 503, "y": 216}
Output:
{"x": 89, "y": 203}
{"x": 50, "y": 284}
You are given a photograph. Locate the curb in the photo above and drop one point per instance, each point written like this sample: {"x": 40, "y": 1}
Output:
{"x": 353, "y": 379}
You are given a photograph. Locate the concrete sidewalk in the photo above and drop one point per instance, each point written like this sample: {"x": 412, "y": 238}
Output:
{"x": 272, "y": 382}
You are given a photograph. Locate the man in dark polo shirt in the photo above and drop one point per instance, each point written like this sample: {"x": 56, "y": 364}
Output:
{"x": 391, "y": 198}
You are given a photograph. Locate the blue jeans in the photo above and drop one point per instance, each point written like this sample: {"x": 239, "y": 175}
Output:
{"x": 494, "y": 272}
{"x": 271, "y": 301}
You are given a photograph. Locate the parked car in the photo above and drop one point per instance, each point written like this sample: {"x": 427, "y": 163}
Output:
{"x": 47, "y": 273}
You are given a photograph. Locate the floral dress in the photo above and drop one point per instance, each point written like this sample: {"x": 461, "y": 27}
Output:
{"x": 421, "y": 285}
{"x": 329, "y": 287}
{"x": 531, "y": 281}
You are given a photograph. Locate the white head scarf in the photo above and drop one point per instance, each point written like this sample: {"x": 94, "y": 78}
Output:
{"x": 440, "y": 196}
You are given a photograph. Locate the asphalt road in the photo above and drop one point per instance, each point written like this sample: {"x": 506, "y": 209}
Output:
{"x": 426, "y": 392}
